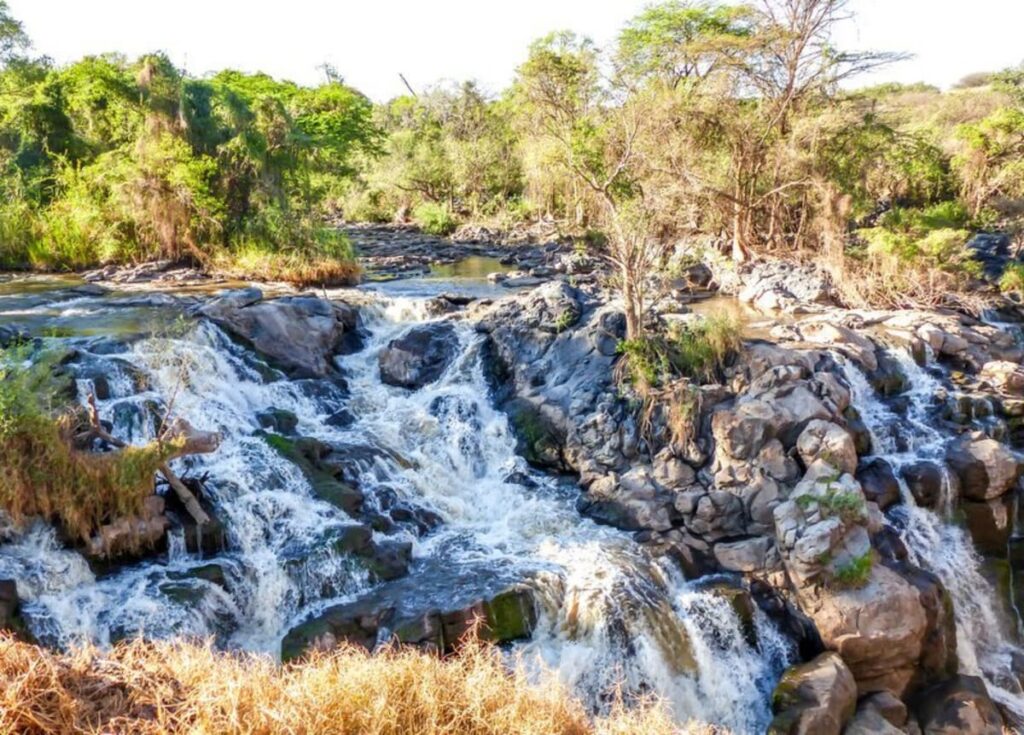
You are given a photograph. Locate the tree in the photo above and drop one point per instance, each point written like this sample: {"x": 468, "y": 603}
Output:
{"x": 13, "y": 39}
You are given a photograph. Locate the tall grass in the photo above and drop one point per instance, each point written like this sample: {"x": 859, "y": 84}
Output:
{"x": 157, "y": 688}
{"x": 43, "y": 475}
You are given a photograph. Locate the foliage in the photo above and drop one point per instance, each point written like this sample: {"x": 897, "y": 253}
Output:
{"x": 434, "y": 219}
{"x": 854, "y": 573}
{"x": 698, "y": 350}
{"x": 111, "y": 160}
{"x": 165, "y": 687}
{"x": 1012, "y": 280}
{"x": 43, "y": 475}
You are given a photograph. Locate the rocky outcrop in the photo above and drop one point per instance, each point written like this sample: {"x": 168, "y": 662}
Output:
{"x": 815, "y": 698}
{"x": 299, "y": 334}
{"x": 960, "y": 706}
{"x": 419, "y": 356}
{"x": 10, "y": 611}
{"x": 391, "y": 614}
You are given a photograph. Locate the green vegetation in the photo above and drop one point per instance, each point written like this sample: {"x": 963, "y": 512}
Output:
{"x": 855, "y": 573}
{"x": 42, "y": 474}
{"x": 111, "y": 160}
{"x": 697, "y": 351}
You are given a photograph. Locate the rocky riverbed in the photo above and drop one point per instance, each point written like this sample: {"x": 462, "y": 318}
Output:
{"x": 835, "y": 548}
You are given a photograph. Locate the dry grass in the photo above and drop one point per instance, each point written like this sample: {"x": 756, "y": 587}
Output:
{"x": 179, "y": 687}
{"x": 300, "y": 267}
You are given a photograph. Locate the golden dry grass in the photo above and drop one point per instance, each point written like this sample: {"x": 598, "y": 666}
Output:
{"x": 177, "y": 687}
{"x": 301, "y": 268}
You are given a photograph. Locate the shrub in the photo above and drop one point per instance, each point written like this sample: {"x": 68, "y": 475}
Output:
{"x": 697, "y": 351}
{"x": 1012, "y": 280}
{"x": 854, "y": 573}
{"x": 434, "y": 219}
{"x": 326, "y": 259}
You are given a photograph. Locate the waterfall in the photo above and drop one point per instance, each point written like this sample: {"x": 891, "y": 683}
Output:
{"x": 608, "y": 612}
{"x": 933, "y": 540}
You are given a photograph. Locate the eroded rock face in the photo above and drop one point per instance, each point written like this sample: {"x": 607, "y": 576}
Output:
{"x": 960, "y": 706}
{"x": 299, "y": 334}
{"x": 815, "y": 698}
{"x": 420, "y": 356}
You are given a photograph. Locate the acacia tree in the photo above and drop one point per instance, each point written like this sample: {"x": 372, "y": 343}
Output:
{"x": 595, "y": 128}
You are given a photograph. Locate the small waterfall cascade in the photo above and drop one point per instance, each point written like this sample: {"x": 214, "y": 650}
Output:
{"x": 609, "y": 614}
{"x": 935, "y": 542}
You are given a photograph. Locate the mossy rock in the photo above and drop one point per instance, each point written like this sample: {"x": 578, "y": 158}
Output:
{"x": 306, "y": 453}
{"x": 279, "y": 420}
{"x": 540, "y": 442}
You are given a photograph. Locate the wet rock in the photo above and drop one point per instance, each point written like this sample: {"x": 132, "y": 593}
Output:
{"x": 10, "y": 611}
{"x": 878, "y": 482}
{"x": 815, "y": 698}
{"x": 986, "y": 468}
{"x": 990, "y": 523}
{"x": 309, "y": 456}
{"x": 960, "y": 706}
{"x": 925, "y": 481}
{"x": 213, "y": 573}
{"x": 828, "y": 441}
{"x": 299, "y": 334}
{"x": 419, "y": 356}
{"x": 389, "y": 559}
{"x": 506, "y": 615}
{"x": 278, "y": 419}
{"x": 858, "y": 430}
{"x": 939, "y": 646}
{"x": 132, "y": 537}
{"x": 887, "y": 378}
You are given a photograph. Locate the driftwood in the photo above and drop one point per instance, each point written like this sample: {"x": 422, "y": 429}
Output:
{"x": 186, "y": 440}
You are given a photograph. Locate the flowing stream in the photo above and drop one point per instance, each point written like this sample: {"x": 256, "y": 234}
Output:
{"x": 608, "y": 613}
{"x": 935, "y": 542}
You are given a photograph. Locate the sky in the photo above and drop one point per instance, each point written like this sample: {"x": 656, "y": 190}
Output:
{"x": 370, "y": 42}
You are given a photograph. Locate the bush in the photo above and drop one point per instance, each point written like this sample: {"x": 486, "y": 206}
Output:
{"x": 698, "y": 351}
{"x": 855, "y": 573}
{"x": 1012, "y": 280}
{"x": 434, "y": 219}
{"x": 326, "y": 259}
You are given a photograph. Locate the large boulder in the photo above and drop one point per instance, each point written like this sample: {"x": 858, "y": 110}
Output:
{"x": 815, "y": 698}
{"x": 958, "y": 706}
{"x": 878, "y": 629}
{"x": 299, "y": 334}
{"x": 420, "y": 356}
{"x": 986, "y": 468}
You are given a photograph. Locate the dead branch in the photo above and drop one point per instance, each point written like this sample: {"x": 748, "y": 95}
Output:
{"x": 185, "y": 439}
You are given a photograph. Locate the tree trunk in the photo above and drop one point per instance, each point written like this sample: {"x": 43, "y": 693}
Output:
{"x": 634, "y": 310}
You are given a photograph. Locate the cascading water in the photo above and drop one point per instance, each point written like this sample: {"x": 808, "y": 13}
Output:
{"x": 608, "y": 612}
{"x": 932, "y": 539}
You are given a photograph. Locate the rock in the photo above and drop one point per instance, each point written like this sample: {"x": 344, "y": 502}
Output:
{"x": 326, "y": 482}
{"x": 986, "y": 468}
{"x": 960, "y": 706}
{"x": 299, "y": 334}
{"x": 279, "y": 420}
{"x": 10, "y": 611}
{"x": 1005, "y": 376}
{"x": 889, "y": 707}
{"x": 815, "y": 698}
{"x": 939, "y": 658}
{"x": 774, "y": 460}
{"x": 631, "y": 501}
{"x": 828, "y": 441}
{"x": 878, "y": 482}
{"x": 990, "y": 523}
{"x": 419, "y": 356}
{"x": 781, "y": 413}
{"x": 925, "y": 480}
{"x": 746, "y": 555}
{"x": 506, "y": 615}
{"x": 870, "y": 722}
{"x": 878, "y": 629}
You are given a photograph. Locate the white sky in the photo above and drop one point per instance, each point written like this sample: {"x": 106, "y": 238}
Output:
{"x": 371, "y": 41}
